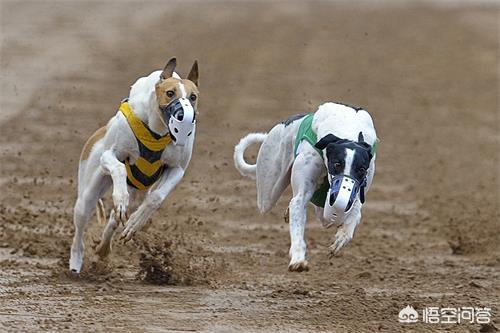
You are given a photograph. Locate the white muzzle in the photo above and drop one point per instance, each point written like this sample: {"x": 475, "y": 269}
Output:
{"x": 339, "y": 200}
{"x": 181, "y": 120}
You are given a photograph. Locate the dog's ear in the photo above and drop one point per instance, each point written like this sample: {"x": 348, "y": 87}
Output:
{"x": 169, "y": 69}
{"x": 193, "y": 73}
{"x": 361, "y": 139}
{"x": 326, "y": 140}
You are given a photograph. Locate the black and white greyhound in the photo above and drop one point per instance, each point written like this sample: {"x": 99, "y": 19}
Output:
{"x": 329, "y": 158}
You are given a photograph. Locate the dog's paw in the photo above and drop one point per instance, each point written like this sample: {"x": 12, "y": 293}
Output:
{"x": 121, "y": 202}
{"x": 342, "y": 237}
{"x": 103, "y": 250}
{"x": 134, "y": 224}
{"x": 128, "y": 232}
{"x": 300, "y": 266}
{"x": 298, "y": 262}
{"x": 75, "y": 264}
{"x": 76, "y": 256}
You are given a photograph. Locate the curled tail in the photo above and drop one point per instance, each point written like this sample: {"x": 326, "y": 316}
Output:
{"x": 239, "y": 150}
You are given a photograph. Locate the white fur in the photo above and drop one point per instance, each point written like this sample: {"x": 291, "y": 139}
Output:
{"x": 103, "y": 168}
{"x": 349, "y": 158}
{"x": 277, "y": 167}
{"x": 239, "y": 159}
{"x": 182, "y": 89}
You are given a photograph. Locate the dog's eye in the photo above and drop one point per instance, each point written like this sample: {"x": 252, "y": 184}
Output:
{"x": 193, "y": 97}
{"x": 362, "y": 170}
{"x": 170, "y": 93}
{"x": 337, "y": 164}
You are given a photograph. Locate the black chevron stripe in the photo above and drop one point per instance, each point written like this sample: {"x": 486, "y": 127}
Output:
{"x": 142, "y": 178}
{"x": 149, "y": 155}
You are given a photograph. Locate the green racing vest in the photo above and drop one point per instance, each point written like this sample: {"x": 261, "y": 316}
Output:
{"x": 306, "y": 133}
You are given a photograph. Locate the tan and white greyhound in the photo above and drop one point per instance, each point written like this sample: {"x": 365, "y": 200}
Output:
{"x": 329, "y": 158}
{"x": 142, "y": 153}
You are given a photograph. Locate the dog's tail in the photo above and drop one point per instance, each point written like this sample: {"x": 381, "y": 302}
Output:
{"x": 239, "y": 151}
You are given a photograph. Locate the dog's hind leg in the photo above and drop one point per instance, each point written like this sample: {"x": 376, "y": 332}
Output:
{"x": 84, "y": 208}
{"x": 274, "y": 164}
{"x": 104, "y": 247}
{"x": 318, "y": 212}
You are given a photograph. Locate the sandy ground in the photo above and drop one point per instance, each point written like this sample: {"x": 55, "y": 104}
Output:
{"x": 210, "y": 262}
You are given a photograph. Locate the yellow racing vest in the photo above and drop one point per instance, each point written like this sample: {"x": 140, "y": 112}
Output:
{"x": 147, "y": 168}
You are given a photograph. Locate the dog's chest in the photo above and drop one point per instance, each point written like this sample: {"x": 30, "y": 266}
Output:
{"x": 173, "y": 155}
{"x": 148, "y": 167}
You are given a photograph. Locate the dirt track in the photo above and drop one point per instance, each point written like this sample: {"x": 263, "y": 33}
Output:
{"x": 429, "y": 237}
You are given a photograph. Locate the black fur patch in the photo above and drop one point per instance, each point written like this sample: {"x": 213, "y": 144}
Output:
{"x": 291, "y": 119}
{"x": 336, "y": 155}
{"x": 357, "y": 108}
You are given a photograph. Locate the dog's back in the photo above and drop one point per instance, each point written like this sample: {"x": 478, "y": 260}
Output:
{"x": 344, "y": 121}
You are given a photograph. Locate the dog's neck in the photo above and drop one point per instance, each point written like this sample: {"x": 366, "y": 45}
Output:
{"x": 144, "y": 104}
{"x": 149, "y": 115}
{"x": 155, "y": 123}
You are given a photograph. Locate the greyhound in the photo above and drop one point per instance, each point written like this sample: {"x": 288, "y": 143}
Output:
{"x": 142, "y": 153}
{"x": 329, "y": 158}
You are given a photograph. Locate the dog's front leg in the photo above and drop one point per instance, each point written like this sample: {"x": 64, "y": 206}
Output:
{"x": 305, "y": 171}
{"x": 152, "y": 201}
{"x": 346, "y": 231}
{"x": 116, "y": 169}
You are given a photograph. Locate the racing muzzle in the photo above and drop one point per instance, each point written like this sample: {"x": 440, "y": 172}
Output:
{"x": 179, "y": 115}
{"x": 340, "y": 199}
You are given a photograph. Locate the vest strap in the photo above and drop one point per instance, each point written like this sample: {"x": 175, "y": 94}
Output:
{"x": 142, "y": 132}
{"x": 148, "y": 167}
{"x": 306, "y": 133}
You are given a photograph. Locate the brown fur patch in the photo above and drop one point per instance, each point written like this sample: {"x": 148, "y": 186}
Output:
{"x": 99, "y": 134}
{"x": 191, "y": 87}
{"x": 171, "y": 84}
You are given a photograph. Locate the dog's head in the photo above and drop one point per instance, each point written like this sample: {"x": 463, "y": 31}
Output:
{"x": 346, "y": 157}
{"x": 347, "y": 163}
{"x": 178, "y": 101}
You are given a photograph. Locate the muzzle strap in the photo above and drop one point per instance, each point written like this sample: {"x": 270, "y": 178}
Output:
{"x": 362, "y": 191}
